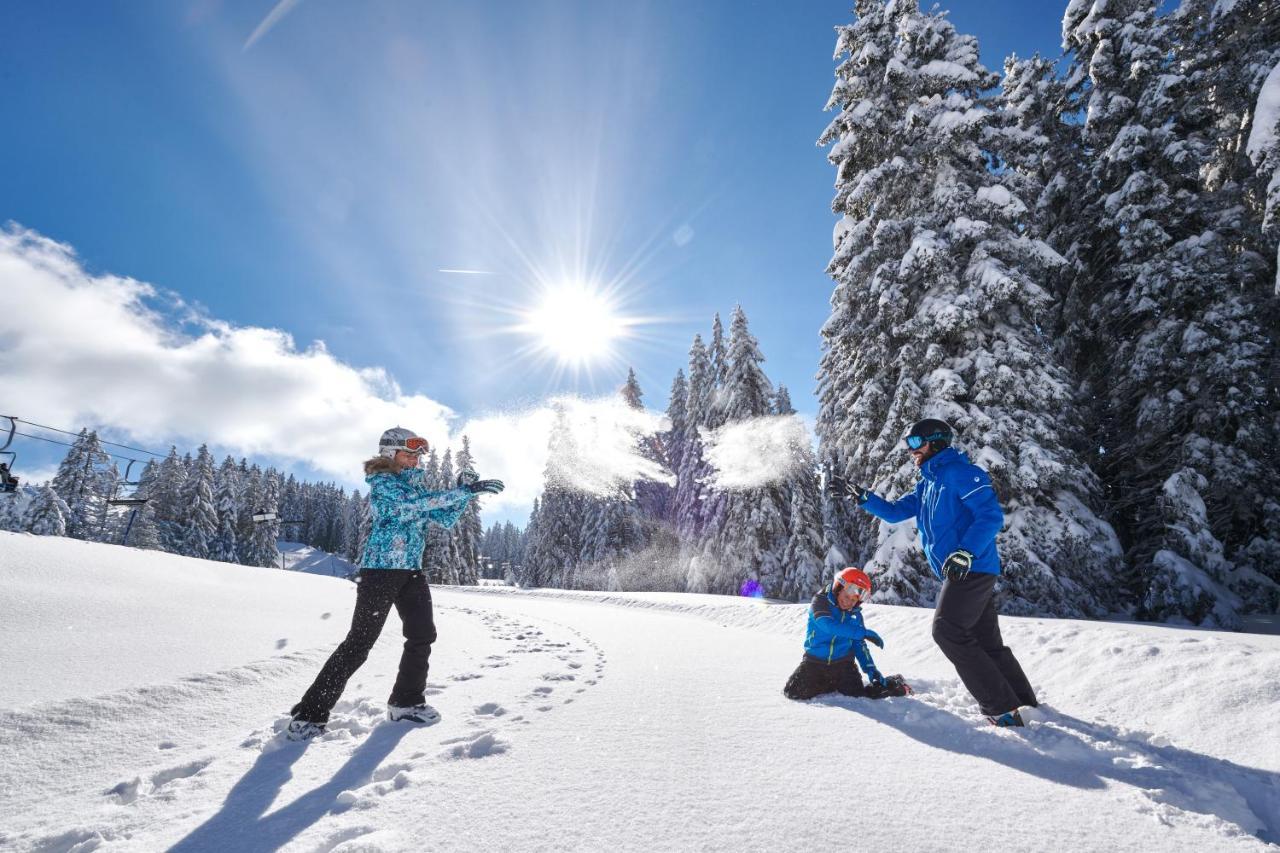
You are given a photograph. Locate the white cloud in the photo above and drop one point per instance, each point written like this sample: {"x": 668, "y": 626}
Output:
{"x": 110, "y": 352}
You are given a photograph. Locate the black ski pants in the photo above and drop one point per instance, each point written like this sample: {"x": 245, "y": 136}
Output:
{"x": 377, "y": 590}
{"x": 967, "y": 629}
{"x": 814, "y": 677}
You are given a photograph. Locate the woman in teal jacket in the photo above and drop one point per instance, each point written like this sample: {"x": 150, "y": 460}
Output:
{"x": 391, "y": 574}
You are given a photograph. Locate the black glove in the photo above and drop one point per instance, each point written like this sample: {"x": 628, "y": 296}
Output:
{"x": 838, "y": 487}
{"x": 957, "y": 565}
{"x": 466, "y": 477}
{"x": 489, "y": 487}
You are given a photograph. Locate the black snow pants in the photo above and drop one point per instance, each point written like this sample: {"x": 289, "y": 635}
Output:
{"x": 377, "y": 590}
{"x": 967, "y": 629}
{"x": 814, "y": 677}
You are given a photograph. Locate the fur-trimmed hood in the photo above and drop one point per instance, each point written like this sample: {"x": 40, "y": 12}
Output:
{"x": 380, "y": 465}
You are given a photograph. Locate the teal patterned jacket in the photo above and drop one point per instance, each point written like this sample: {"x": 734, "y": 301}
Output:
{"x": 402, "y": 507}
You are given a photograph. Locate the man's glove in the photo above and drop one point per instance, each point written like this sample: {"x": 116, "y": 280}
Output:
{"x": 466, "y": 477}
{"x": 838, "y": 487}
{"x": 489, "y": 487}
{"x": 873, "y": 637}
{"x": 957, "y": 565}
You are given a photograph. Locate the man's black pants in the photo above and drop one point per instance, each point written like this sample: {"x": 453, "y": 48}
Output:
{"x": 815, "y": 677}
{"x": 377, "y": 591}
{"x": 967, "y": 629}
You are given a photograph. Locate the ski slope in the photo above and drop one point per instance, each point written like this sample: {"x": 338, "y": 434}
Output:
{"x": 141, "y": 695}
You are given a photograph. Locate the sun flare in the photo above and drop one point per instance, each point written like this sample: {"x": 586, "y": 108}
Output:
{"x": 576, "y": 323}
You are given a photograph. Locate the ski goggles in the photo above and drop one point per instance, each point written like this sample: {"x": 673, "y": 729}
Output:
{"x": 849, "y": 589}
{"x": 416, "y": 444}
{"x": 915, "y": 442}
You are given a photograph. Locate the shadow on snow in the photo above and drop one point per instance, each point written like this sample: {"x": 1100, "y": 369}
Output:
{"x": 1070, "y": 751}
{"x": 242, "y": 825}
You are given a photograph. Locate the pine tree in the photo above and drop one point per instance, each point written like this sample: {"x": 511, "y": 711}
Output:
{"x": 165, "y": 500}
{"x": 262, "y": 549}
{"x": 1174, "y": 358}
{"x": 939, "y": 292}
{"x": 47, "y": 513}
{"x": 223, "y": 545}
{"x": 468, "y": 529}
{"x": 197, "y": 498}
{"x": 749, "y": 542}
{"x": 85, "y": 480}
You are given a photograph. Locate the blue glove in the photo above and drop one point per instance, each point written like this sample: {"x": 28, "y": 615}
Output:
{"x": 957, "y": 565}
{"x": 489, "y": 487}
{"x": 466, "y": 477}
{"x": 875, "y": 638}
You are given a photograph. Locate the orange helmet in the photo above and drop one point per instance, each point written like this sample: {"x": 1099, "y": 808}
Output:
{"x": 854, "y": 580}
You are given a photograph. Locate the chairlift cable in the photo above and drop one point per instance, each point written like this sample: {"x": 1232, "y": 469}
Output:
{"x": 100, "y": 440}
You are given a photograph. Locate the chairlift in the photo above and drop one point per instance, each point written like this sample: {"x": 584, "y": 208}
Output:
{"x": 126, "y": 490}
{"x": 8, "y": 482}
{"x": 126, "y": 494}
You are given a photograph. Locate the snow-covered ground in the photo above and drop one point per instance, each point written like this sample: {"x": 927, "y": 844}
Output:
{"x": 141, "y": 695}
{"x": 303, "y": 558}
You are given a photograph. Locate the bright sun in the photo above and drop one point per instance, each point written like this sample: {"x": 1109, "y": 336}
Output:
{"x": 576, "y": 323}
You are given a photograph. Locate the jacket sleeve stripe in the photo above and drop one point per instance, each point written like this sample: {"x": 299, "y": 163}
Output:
{"x": 980, "y": 488}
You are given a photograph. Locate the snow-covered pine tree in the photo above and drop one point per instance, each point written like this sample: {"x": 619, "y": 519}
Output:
{"x": 262, "y": 549}
{"x": 938, "y": 293}
{"x": 718, "y": 354}
{"x": 165, "y": 501}
{"x": 85, "y": 480}
{"x": 47, "y": 513}
{"x": 1166, "y": 338}
{"x": 673, "y": 443}
{"x": 650, "y": 498}
{"x": 560, "y": 514}
{"x": 749, "y": 542}
{"x": 691, "y": 492}
{"x": 449, "y": 559}
{"x": 468, "y": 529}
{"x": 202, "y": 512}
{"x": 802, "y": 561}
{"x": 223, "y": 545}
{"x": 525, "y": 572}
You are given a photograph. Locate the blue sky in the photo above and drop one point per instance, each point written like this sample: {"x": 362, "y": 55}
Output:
{"x": 316, "y": 179}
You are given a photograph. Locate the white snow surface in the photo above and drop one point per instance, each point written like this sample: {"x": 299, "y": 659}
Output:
{"x": 150, "y": 691}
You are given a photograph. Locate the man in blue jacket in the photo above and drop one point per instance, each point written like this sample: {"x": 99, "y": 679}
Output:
{"x": 958, "y": 516}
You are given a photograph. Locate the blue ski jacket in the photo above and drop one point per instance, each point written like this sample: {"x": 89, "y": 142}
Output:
{"x": 402, "y": 507}
{"x": 954, "y": 507}
{"x": 834, "y": 634}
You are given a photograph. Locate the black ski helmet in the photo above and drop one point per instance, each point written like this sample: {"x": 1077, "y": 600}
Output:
{"x": 929, "y": 431}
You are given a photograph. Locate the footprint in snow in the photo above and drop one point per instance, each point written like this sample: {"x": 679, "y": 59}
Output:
{"x": 558, "y": 676}
{"x": 490, "y": 709}
{"x": 476, "y": 746}
{"x": 130, "y": 790}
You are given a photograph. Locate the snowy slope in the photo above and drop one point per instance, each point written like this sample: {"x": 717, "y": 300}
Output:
{"x": 151, "y": 688}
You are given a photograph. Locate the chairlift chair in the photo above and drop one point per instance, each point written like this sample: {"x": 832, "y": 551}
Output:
{"x": 8, "y": 482}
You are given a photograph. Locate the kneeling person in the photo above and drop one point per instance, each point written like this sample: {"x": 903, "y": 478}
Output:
{"x": 835, "y": 639}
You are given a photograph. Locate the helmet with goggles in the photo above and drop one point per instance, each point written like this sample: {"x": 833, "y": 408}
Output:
{"x": 852, "y": 581}
{"x": 399, "y": 438}
{"x": 929, "y": 431}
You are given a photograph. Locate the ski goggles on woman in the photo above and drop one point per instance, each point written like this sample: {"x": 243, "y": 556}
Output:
{"x": 416, "y": 444}
{"x": 915, "y": 442}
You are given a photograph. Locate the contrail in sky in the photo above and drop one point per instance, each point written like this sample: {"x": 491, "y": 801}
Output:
{"x": 273, "y": 17}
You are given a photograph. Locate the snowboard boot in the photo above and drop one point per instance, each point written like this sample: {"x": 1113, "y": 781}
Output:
{"x": 422, "y": 714}
{"x": 300, "y": 730}
{"x": 1009, "y": 719}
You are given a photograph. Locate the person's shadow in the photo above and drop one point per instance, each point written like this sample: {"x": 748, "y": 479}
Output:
{"x": 240, "y": 824}
{"x": 1081, "y": 754}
